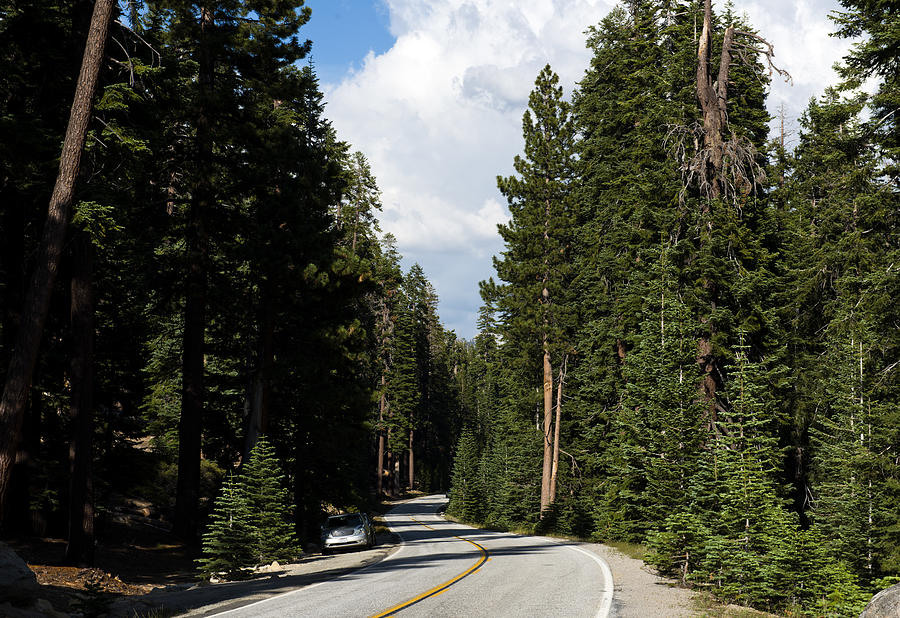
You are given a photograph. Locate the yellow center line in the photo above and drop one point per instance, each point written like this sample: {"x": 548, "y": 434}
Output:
{"x": 442, "y": 587}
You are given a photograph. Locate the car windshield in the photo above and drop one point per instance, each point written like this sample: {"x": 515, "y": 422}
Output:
{"x": 341, "y": 521}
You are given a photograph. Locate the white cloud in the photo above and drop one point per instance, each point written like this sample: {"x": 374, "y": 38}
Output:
{"x": 439, "y": 114}
{"x": 800, "y": 33}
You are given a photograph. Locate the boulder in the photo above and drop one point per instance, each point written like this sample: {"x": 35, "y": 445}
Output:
{"x": 17, "y": 581}
{"x": 885, "y": 604}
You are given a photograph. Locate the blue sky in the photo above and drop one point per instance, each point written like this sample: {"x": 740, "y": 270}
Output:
{"x": 343, "y": 32}
{"x": 433, "y": 92}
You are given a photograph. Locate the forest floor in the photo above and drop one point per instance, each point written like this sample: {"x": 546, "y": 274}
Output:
{"x": 131, "y": 560}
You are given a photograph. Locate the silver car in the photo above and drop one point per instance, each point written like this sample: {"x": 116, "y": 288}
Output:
{"x": 347, "y": 530}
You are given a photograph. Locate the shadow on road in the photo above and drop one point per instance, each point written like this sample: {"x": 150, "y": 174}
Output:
{"x": 212, "y": 599}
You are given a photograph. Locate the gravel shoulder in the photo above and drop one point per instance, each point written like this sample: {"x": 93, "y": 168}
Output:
{"x": 639, "y": 592}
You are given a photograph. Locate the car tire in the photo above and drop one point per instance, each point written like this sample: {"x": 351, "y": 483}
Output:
{"x": 326, "y": 552}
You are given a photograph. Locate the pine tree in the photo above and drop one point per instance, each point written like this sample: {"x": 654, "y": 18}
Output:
{"x": 226, "y": 545}
{"x": 467, "y": 491}
{"x": 842, "y": 251}
{"x": 535, "y": 265}
{"x": 355, "y": 217}
{"x": 261, "y": 484}
{"x": 250, "y": 520}
{"x": 638, "y": 86}
{"x": 660, "y": 427}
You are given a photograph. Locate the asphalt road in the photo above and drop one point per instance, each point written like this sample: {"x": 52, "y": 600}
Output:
{"x": 446, "y": 569}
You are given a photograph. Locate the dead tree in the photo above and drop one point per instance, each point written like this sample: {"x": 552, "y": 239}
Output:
{"x": 717, "y": 160}
{"x": 722, "y": 164}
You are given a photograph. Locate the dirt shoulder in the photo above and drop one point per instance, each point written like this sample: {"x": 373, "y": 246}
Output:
{"x": 638, "y": 592}
{"x": 141, "y": 576}
{"x": 206, "y": 599}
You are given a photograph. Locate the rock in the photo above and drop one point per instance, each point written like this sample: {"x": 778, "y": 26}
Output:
{"x": 269, "y": 568}
{"x": 40, "y": 608}
{"x": 45, "y": 608}
{"x": 885, "y": 604}
{"x": 17, "y": 581}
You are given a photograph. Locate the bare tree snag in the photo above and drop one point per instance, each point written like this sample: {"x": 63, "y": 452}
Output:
{"x": 713, "y": 98}
{"x": 37, "y": 298}
{"x": 716, "y": 159}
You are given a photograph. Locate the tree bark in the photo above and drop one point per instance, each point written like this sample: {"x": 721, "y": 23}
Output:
{"x": 258, "y": 420}
{"x": 20, "y": 517}
{"x": 410, "y": 470}
{"x": 37, "y": 299}
{"x": 713, "y": 97}
{"x": 12, "y": 218}
{"x": 546, "y": 469}
{"x": 80, "y": 547}
{"x": 548, "y": 420}
{"x": 379, "y": 464}
{"x": 190, "y": 426}
{"x": 556, "y": 425}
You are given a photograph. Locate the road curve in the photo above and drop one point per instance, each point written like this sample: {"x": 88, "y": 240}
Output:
{"x": 447, "y": 569}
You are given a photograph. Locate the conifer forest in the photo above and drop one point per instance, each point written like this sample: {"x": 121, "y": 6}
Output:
{"x": 691, "y": 342}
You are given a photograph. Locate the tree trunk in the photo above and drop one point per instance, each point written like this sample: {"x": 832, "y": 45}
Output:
{"x": 395, "y": 475}
{"x": 19, "y": 516}
{"x": 559, "y": 396}
{"x": 80, "y": 547}
{"x": 258, "y": 420}
{"x": 713, "y": 97}
{"x": 37, "y": 299}
{"x": 548, "y": 420}
{"x": 12, "y": 219}
{"x": 379, "y": 464}
{"x": 190, "y": 426}
{"x": 410, "y": 470}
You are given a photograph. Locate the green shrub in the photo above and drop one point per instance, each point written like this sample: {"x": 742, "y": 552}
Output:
{"x": 250, "y": 523}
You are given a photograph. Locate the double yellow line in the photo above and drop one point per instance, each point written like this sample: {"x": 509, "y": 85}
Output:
{"x": 440, "y": 588}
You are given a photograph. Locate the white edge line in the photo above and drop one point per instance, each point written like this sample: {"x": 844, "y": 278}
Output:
{"x": 311, "y": 586}
{"x": 606, "y": 600}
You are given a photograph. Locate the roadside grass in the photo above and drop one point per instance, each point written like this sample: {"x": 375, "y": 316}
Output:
{"x": 156, "y": 612}
{"x": 632, "y": 550}
{"x": 707, "y": 606}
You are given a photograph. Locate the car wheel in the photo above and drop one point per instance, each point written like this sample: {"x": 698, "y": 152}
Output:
{"x": 326, "y": 552}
